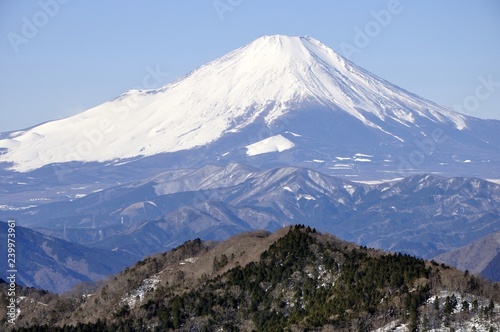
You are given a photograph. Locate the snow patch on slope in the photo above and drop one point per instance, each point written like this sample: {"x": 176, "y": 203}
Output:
{"x": 138, "y": 294}
{"x": 276, "y": 143}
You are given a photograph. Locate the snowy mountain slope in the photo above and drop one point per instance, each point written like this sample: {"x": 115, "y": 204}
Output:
{"x": 255, "y": 87}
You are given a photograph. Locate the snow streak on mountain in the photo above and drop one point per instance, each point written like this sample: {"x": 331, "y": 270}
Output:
{"x": 267, "y": 78}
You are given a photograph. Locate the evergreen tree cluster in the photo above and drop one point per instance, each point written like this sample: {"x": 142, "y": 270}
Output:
{"x": 276, "y": 292}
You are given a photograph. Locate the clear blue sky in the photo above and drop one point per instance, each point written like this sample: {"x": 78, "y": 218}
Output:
{"x": 83, "y": 53}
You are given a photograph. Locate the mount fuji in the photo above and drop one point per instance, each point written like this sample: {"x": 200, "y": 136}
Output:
{"x": 277, "y": 101}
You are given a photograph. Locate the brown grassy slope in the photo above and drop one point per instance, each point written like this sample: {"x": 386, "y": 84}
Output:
{"x": 178, "y": 270}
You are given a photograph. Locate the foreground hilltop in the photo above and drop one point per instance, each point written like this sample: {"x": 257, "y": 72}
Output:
{"x": 293, "y": 279}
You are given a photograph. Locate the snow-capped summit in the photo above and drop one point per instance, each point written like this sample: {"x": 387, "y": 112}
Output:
{"x": 272, "y": 78}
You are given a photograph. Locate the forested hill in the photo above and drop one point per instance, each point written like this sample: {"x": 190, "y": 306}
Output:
{"x": 295, "y": 279}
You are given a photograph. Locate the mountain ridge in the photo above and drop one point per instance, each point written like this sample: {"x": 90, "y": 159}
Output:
{"x": 424, "y": 215}
{"x": 294, "y": 278}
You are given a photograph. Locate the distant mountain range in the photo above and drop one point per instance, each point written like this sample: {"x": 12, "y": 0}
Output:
{"x": 423, "y": 215}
